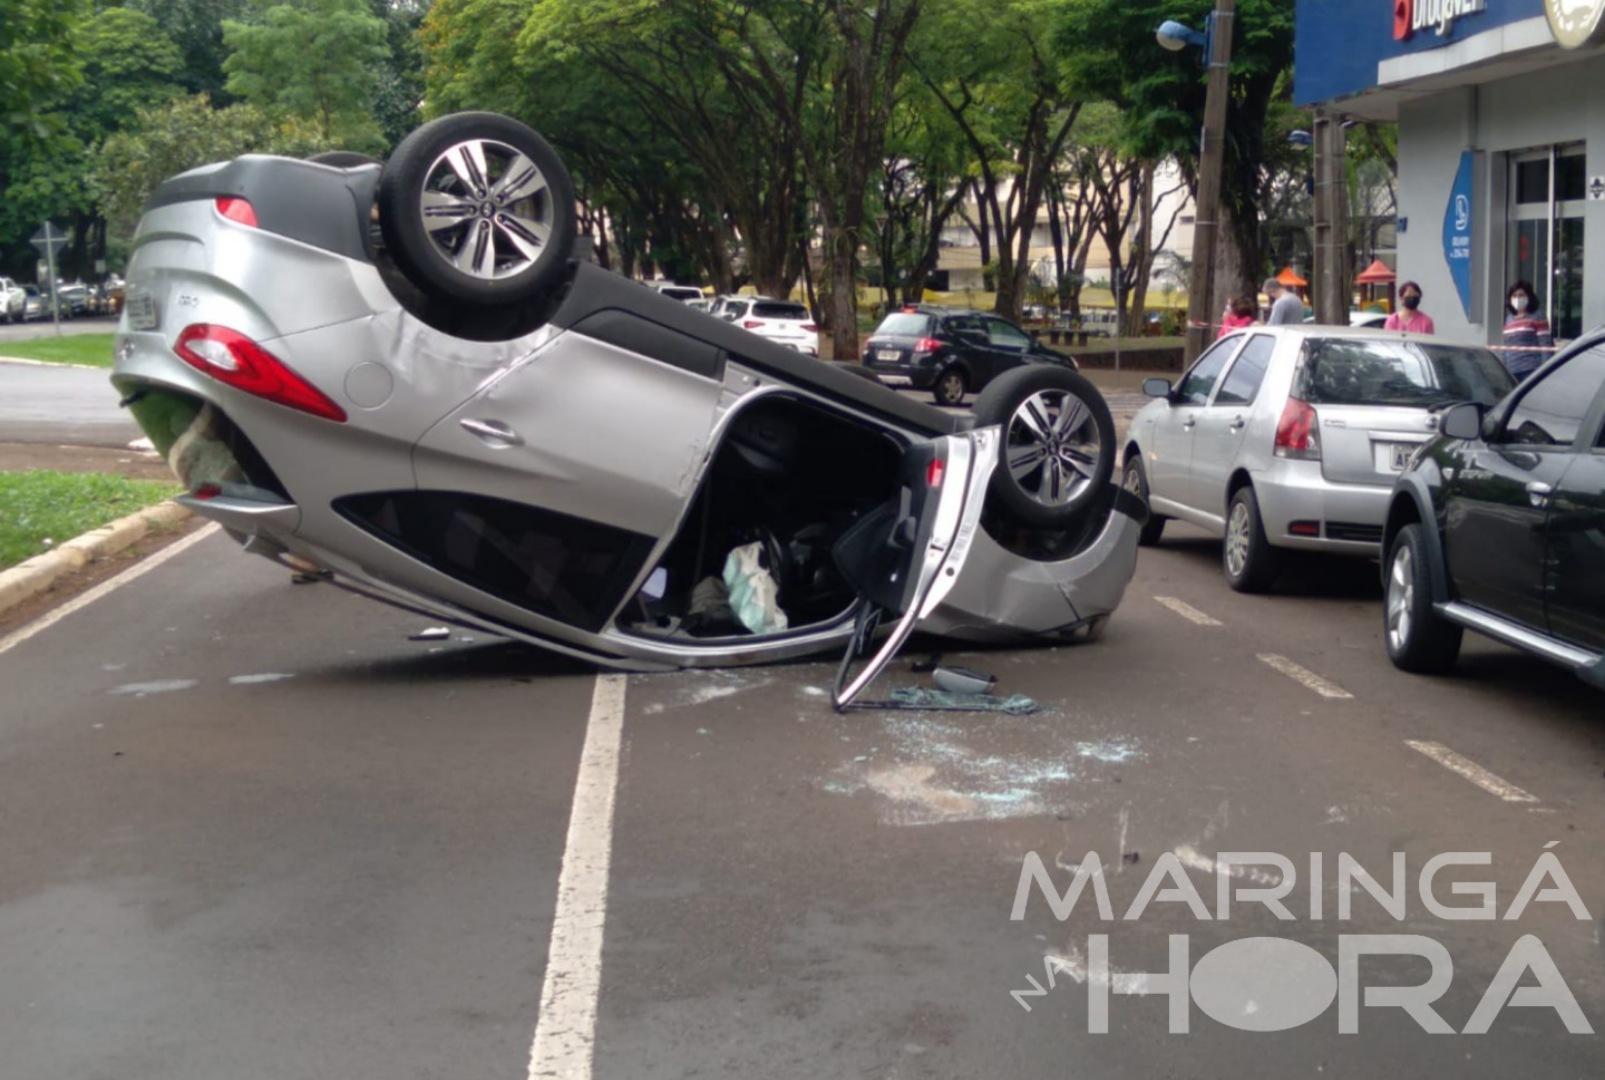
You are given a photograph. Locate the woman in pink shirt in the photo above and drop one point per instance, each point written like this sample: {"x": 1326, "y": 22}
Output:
{"x": 1411, "y": 319}
{"x": 1239, "y": 313}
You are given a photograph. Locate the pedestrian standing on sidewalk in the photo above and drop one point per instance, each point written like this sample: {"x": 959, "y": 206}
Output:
{"x": 1239, "y": 313}
{"x": 1286, "y": 307}
{"x": 1527, "y": 332}
{"x": 1411, "y": 319}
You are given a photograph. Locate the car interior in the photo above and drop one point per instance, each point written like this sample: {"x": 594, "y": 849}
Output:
{"x": 791, "y": 477}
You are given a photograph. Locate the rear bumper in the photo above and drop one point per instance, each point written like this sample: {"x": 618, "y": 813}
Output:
{"x": 1350, "y": 516}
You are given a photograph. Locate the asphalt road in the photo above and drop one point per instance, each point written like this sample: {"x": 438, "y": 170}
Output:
{"x": 253, "y": 831}
{"x": 56, "y": 403}
{"x": 19, "y": 331}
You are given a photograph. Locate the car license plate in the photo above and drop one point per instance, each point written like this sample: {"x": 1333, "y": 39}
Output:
{"x": 896, "y": 380}
{"x": 140, "y": 308}
{"x": 1394, "y": 457}
{"x": 889, "y": 356}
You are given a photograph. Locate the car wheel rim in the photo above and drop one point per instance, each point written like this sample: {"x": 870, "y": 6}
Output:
{"x": 1401, "y": 598}
{"x": 1134, "y": 483}
{"x": 1237, "y": 540}
{"x": 1053, "y": 447}
{"x": 487, "y": 209}
{"x": 952, "y": 387}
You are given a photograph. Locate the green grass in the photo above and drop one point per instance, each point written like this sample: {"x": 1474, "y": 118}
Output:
{"x": 85, "y": 350}
{"x": 40, "y": 504}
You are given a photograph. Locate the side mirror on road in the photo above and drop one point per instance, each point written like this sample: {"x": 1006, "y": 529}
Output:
{"x": 1463, "y": 421}
{"x": 1156, "y": 388}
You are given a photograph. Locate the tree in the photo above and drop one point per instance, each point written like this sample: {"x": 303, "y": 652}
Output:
{"x": 315, "y": 60}
{"x": 196, "y": 28}
{"x": 1111, "y": 54}
{"x": 995, "y": 68}
{"x": 180, "y": 135}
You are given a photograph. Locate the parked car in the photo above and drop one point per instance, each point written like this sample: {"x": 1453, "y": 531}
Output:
{"x": 951, "y": 352}
{"x": 683, "y": 293}
{"x": 74, "y": 300}
{"x": 1498, "y": 525}
{"x": 466, "y": 421}
{"x": 781, "y": 321}
{"x": 13, "y": 301}
{"x": 35, "y": 305}
{"x": 1292, "y": 437}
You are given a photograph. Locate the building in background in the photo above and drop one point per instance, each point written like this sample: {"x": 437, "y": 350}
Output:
{"x": 1501, "y": 113}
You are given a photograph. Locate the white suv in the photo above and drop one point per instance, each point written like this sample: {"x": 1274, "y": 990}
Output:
{"x": 686, "y": 294}
{"x": 13, "y": 301}
{"x": 778, "y": 320}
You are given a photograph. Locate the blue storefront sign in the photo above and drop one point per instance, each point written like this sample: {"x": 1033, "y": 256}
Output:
{"x": 1339, "y": 44}
{"x": 1458, "y": 218}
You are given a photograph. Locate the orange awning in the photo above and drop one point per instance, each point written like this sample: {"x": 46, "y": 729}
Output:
{"x": 1290, "y": 278}
{"x": 1378, "y": 273}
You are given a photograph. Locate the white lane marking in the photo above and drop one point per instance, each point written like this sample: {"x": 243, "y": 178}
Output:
{"x": 1465, "y": 767}
{"x": 1187, "y": 611}
{"x": 565, "y": 1030}
{"x": 110, "y": 585}
{"x": 1305, "y": 676}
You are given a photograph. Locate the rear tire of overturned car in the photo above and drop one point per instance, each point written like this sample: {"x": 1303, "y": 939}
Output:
{"x": 1058, "y": 448}
{"x": 478, "y": 209}
{"x": 1418, "y": 639}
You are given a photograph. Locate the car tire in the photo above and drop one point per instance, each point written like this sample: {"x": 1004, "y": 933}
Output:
{"x": 1135, "y": 480}
{"x": 1058, "y": 445}
{"x": 950, "y": 387}
{"x": 1249, "y": 561}
{"x": 497, "y": 186}
{"x": 1417, "y": 638}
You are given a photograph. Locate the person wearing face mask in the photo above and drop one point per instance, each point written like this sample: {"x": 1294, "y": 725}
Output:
{"x": 1411, "y": 318}
{"x": 1526, "y": 329}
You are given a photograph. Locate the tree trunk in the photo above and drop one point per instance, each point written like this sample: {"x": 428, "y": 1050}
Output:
{"x": 842, "y": 293}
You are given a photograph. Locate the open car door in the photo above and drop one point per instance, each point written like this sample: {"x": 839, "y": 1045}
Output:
{"x": 904, "y": 558}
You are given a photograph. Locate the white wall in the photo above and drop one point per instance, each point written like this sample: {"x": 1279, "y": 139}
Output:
{"x": 1562, "y": 103}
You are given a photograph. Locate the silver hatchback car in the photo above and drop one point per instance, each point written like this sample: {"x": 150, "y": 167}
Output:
{"x": 1292, "y": 437}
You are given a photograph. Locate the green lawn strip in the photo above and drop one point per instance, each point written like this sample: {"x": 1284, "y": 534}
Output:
{"x": 85, "y": 350}
{"x": 40, "y": 504}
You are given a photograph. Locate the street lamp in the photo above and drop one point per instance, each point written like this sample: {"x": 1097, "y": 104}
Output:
{"x": 1217, "y": 46}
{"x": 1177, "y": 36}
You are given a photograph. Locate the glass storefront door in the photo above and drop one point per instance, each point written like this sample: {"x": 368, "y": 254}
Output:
{"x": 1545, "y": 231}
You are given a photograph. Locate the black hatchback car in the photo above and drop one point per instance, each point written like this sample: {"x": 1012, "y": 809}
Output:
{"x": 950, "y": 352}
{"x": 1499, "y": 525}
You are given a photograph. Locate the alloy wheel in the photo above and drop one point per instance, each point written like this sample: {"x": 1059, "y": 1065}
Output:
{"x": 487, "y": 209}
{"x": 1053, "y": 447}
{"x": 1237, "y": 540}
{"x": 1401, "y": 597}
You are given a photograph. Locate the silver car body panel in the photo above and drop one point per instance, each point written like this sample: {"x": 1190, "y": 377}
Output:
{"x": 1192, "y": 452}
{"x": 594, "y": 430}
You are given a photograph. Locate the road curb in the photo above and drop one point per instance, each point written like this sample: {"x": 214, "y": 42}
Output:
{"x": 35, "y": 363}
{"x": 29, "y": 579}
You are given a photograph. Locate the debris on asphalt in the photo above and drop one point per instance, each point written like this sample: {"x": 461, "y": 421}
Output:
{"x": 923, "y": 699}
{"x": 431, "y": 633}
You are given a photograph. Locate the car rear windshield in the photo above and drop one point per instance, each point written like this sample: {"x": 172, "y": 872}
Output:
{"x": 779, "y": 311}
{"x": 1344, "y": 371}
{"x": 905, "y": 324}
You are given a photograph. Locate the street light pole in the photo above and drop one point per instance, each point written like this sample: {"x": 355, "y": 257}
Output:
{"x": 1332, "y": 270}
{"x": 1212, "y": 154}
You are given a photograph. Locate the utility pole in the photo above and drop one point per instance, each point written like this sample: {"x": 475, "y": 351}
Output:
{"x": 1201, "y": 311}
{"x": 1333, "y": 273}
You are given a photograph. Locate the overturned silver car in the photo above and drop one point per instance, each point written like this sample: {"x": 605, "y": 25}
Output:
{"x": 398, "y": 376}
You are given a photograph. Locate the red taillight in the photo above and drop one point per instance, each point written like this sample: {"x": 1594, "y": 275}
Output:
{"x": 206, "y": 492}
{"x": 1305, "y": 528}
{"x": 751, "y": 324}
{"x": 927, "y": 345}
{"x": 232, "y": 358}
{"x": 810, "y": 328}
{"x": 236, "y": 209}
{"x": 1296, "y": 434}
{"x": 934, "y": 473}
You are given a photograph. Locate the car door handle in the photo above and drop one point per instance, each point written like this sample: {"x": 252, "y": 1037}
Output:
{"x": 1238, "y": 424}
{"x": 493, "y": 432}
{"x": 1539, "y": 492}
{"x": 1189, "y": 423}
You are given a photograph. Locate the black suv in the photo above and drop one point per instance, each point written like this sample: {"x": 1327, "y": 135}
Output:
{"x": 1499, "y": 525}
{"x": 950, "y": 353}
